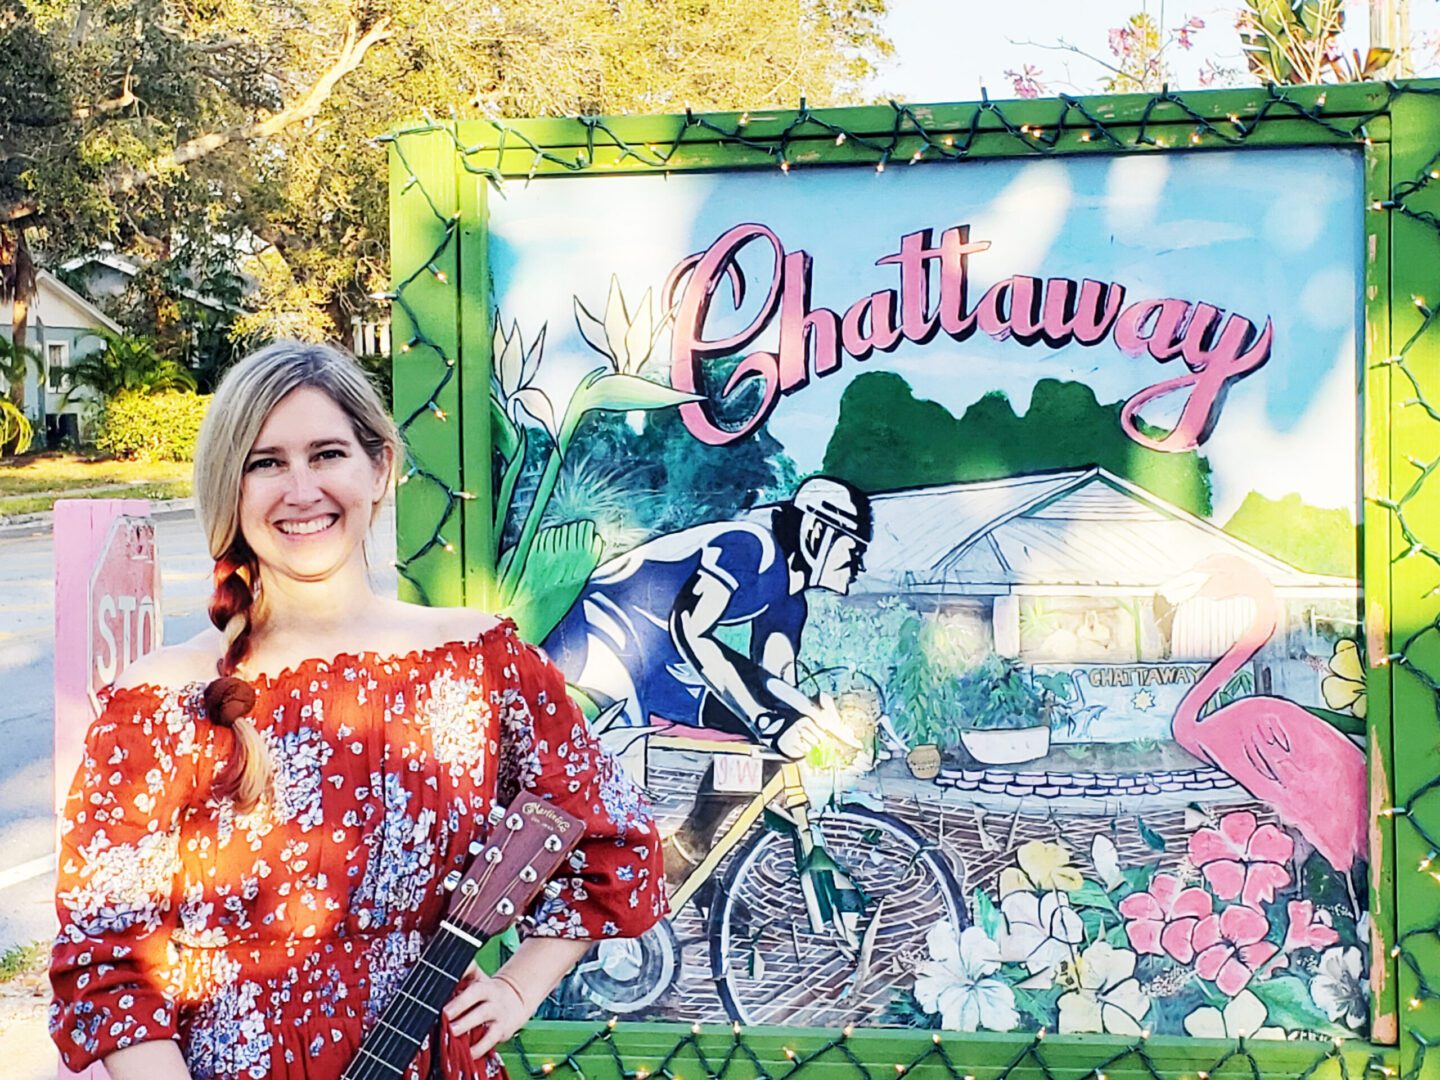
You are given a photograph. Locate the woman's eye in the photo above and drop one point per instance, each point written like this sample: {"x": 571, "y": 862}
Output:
{"x": 261, "y": 463}
{"x": 330, "y": 455}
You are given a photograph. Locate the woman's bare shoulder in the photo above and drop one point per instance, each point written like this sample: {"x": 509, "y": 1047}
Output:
{"x": 175, "y": 665}
{"x": 430, "y": 626}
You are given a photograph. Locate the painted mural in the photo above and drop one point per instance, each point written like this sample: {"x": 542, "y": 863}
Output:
{"x": 965, "y": 560}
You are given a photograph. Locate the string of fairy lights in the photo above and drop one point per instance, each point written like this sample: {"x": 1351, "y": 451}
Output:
{"x": 1167, "y": 121}
{"x": 717, "y": 1054}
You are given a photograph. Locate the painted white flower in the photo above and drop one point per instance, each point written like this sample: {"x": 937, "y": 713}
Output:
{"x": 625, "y": 340}
{"x": 1244, "y": 1016}
{"x": 1108, "y": 997}
{"x": 1106, "y": 860}
{"x": 515, "y": 368}
{"x": 958, "y": 981}
{"x": 1339, "y": 986}
{"x": 1041, "y": 932}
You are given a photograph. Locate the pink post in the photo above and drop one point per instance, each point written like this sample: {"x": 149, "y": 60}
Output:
{"x": 107, "y": 614}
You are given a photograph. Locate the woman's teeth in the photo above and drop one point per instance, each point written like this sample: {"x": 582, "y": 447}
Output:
{"x": 301, "y": 528}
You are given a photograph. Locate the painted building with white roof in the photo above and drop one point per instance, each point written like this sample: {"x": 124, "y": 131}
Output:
{"x": 1073, "y": 571}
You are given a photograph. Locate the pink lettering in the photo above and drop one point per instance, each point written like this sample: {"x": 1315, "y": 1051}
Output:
{"x": 1057, "y": 311}
{"x": 799, "y": 326}
{"x": 689, "y": 348}
{"x": 870, "y": 325}
{"x": 1238, "y": 353}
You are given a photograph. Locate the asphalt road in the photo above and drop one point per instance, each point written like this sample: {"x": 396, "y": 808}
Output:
{"x": 27, "y": 589}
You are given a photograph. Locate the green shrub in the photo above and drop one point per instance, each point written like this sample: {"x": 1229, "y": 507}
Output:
{"x": 152, "y": 427}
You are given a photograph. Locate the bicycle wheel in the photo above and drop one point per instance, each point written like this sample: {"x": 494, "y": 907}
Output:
{"x": 625, "y": 975}
{"x": 770, "y": 967}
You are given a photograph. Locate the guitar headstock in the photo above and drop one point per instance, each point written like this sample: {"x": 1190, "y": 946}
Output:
{"x": 528, "y": 842}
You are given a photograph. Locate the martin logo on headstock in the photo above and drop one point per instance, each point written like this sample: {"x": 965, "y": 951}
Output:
{"x": 527, "y": 843}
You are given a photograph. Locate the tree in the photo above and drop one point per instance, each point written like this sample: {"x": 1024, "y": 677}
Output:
{"x": 1296, "y": 41}
{"x": 1306, "y": 537}
{"x": 16, "y": 362}
{"x": 154, "y": 123}
{"x": 1139, "y": 61}
{"x": 885, "y": 438}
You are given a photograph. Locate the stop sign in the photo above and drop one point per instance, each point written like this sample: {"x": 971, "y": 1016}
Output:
{"x": 124, "y": 601}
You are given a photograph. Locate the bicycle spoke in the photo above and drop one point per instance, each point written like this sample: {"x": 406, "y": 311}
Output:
{"x": 808, "y": 978}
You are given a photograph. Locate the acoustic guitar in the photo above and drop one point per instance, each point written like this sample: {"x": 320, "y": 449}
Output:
{"x": 527, "y": 843}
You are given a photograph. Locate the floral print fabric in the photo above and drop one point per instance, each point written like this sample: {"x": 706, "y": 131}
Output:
{"x": 268, "y": 942}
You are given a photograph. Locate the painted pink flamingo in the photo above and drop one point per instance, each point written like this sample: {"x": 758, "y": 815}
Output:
{"x": 1311, "y": 774}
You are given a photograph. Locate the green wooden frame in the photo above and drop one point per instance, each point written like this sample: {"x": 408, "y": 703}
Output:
{"x": 442, "y": 176}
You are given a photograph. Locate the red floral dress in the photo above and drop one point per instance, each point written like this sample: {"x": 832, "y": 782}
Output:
{"x": 266, "y": 943}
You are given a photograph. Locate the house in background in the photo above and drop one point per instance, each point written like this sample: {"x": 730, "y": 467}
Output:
{"x": 106, "y": 275}
{"x": 1069, "y": 572}
{"x": 61, "y": 328}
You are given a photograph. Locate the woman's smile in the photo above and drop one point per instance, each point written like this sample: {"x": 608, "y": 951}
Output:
{"x": 308, "y": 528}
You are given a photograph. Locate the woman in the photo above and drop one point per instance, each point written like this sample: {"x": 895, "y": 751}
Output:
{"x": 250, "y": 864}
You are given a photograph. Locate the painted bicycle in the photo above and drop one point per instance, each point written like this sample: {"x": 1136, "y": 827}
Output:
{"x": 814, "y": 908}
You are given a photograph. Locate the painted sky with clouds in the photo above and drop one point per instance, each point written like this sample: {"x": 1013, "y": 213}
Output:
{"x": 1265, "y": 234}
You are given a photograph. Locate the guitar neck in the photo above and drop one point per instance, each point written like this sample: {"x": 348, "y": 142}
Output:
{"x": 528, "y": 840}
{"x": 391, "y": 1045}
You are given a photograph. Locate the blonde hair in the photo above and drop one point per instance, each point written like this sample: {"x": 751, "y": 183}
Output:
{"x": 243, "y": 401}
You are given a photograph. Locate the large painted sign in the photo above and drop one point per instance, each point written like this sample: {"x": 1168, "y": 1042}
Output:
{"x": 967, "y": 563}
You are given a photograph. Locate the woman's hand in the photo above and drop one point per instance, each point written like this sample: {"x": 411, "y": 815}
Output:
{"x": 496, "y": 1004}
{"x": 504, "y": 1002}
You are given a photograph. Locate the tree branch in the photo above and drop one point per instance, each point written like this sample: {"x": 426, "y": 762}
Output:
{"x": 1064, "y": 46}
{"x": 352, "y": 52}
{"x": 223, "y": 45}
{"x": 100, "y": 108}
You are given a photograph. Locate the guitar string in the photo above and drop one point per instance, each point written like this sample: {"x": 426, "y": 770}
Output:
{"x": 386, "y": 1040}
{"x": 383, "y": 1040}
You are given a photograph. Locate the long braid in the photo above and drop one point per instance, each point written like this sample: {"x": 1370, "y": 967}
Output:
{"x": 231, "y": 603}
{"x": 228, "y": 700}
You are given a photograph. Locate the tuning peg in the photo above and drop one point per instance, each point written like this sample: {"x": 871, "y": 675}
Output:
{"x": 577, "y": 861}
{"x": 475, "y": 847}
{"x": 493, "y": 855}
{"x": 496, "y": 815}
{"x": 528, "y": 875}
{"x": 553, "y": 843}
{"x": 552, "y": 890}
{"x": 451, "y": 880}
{"x": 514, "y": 822}
{"x": 505, "y": 906}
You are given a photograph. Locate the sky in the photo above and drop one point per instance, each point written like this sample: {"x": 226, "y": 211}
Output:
{"x": 945, "y": 50}
{"x": 1158, "y": 230}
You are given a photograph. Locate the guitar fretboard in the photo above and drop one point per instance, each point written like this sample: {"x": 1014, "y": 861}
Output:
{"x": 411, "y": 1015}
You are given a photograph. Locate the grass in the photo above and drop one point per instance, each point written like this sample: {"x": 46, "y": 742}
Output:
{"x": 31, "y": 483}
{"x": 21, "y": 960}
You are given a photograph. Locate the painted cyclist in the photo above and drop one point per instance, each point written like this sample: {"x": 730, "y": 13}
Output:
{"x": 644, "y": 639}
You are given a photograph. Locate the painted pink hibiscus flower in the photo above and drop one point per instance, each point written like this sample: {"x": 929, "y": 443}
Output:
{"x": 1162, "y": 920}
{"x": 1242, "y": 858}
{"x": 1308, "y": 929}
{"x": 1231, "y": 948}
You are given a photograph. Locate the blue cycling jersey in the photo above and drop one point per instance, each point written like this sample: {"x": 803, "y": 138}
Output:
{"x": 615, "y": 642}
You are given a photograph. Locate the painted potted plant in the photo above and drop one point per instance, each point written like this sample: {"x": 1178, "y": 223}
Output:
{"x": 1003, "y": 718}
{"x": 930, "y": 658}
